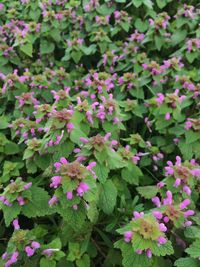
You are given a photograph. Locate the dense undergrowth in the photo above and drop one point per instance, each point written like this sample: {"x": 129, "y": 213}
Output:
{"x": 100, "y": 133}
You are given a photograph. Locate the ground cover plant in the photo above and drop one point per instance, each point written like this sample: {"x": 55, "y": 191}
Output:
{"x": 99, "y": 133}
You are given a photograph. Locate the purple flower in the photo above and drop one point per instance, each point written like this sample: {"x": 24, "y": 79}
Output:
{"x": 184, "y": 204}
{"x": 27, "y": 186}
{"x": 162, "y": 240}
{"x": 157, "y": 214}
{"x": 35, "y": 245}
{"x": 29, "y": 251}
{"x": 82, "y": 188}
{"x": 127, "y": 236}
{"x": 148, "y": 253}
{"x": 162, "y": 227}
{"x": 189, "y": 213}
{"x": 69, "y": 195}
{"x": 16, "y": 224}
{"x": 55, "y": 181}
{"x": 53, "y": 201}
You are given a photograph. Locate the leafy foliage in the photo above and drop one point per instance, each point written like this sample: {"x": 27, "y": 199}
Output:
{"x": 99, "y": 133}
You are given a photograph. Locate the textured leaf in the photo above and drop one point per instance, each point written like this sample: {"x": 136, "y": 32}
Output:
{"x": 130, "y": 258}
{"x": 10, "y": 213}
{"x": 147, "y": 191}
{"x": 186, "y": 262}
{"x": 27, "y": 49}
{"x": 107, "y": 198}
{"x": 38, "y": 205}
{"x": 193, "y": 249}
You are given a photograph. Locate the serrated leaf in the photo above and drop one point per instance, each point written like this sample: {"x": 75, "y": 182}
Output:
{"x": 130, "y": 258}
{"x": 45, "y": 262}
{"x": 46, "y": 47}
{"x": 107, "y": 198}
{"x": 137, "y": 3}
{"x": 186, "y": 262}
{"x": 10, "y": 213}
{"x": 161, "y": 3}
{"x": 27, "y": 49}
{"x": 38, "y": 205}
{"x": 131, "y": 174}
{"x": 147, "y": 191}
{"x": 84, "y": 261}
{"x": 191, "y": 136}
{"x": 193, "y": 249}
{"x": 101, "y": 172}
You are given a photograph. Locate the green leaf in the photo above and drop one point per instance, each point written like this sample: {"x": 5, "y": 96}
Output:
{"x": 76, "y": 134}
{"x": 148, "y": 3}
{"x": 137, "y": 3}
{"x": 193, "y": 249}
{"x": 75, "y": 218}
{"x": 43, "y": 161}
{"x": 76, "y": 56}
{"x": 178, "y": 36}
{"x": 89, "y": 50}
{"x": 147, "y": 191}
{"x": 45, "y": 262}
{"x": 191, "y": 56}
{"x": 11, "y": 148}
{"x": 101, "y": 172}
{"x": 105, "y": 9}
{"x": 131, "y": 174}
{"x": 3, "y": 122}
{"x": 84, "y": 261}
{"x": 10, "y": 213}
{"x": 108, "y": 196}
{"x": 130, "y": 258}
{"x": 161, "y": 3}
{"x": 114, "y": 160}
{"x": 159, "y": 41}
{"x": 92, "y": 212}
{"x": 46, "y": 47}
{"x": 27, "y": 49}
{"x": 142, "y": 26}
{"x": 28, "y": 153}
{"x": 38, "y": 205}
{"x": 186, "y": 262}
{"x": 191, "y": 136}
{"x": 125, "y": 26}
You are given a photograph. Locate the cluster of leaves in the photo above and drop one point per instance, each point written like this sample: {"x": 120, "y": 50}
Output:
{"x": 99, "y": 121}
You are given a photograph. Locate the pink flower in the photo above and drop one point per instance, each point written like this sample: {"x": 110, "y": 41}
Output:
{"x": 29, "y": 251}
{"x": 137, "y": 214}
{"x": 53, "y": 201}
{"x": 69, "y": 127}
{"x": 184, "y": 204}
{"x": 195, "y": 172}
{"x": 69, "y": 195}
{"x": 156, "y": 201}
{"x": 148, "y": 253}
{"x": 189, "y": 213}
{"x": 162, "y": 240}
{"x": 16, "y": 224}
{"x": 82, "y": 188}
{"x": 167, "y": 116}
{"x": 187, "y": 190}
{"x": 55, "y": 181}
{"x": 35, "y": 245}
{"x": 27, "y": 186}
{"x": 20, "y": 200}
{"x": 162, "y": 227}
{"x": 157, "y": 214}
{"x": 177, "y": 182}
{"x": 127, "y": 236}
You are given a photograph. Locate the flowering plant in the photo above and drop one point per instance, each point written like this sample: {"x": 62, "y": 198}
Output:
{"x": 99, "y": 133}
